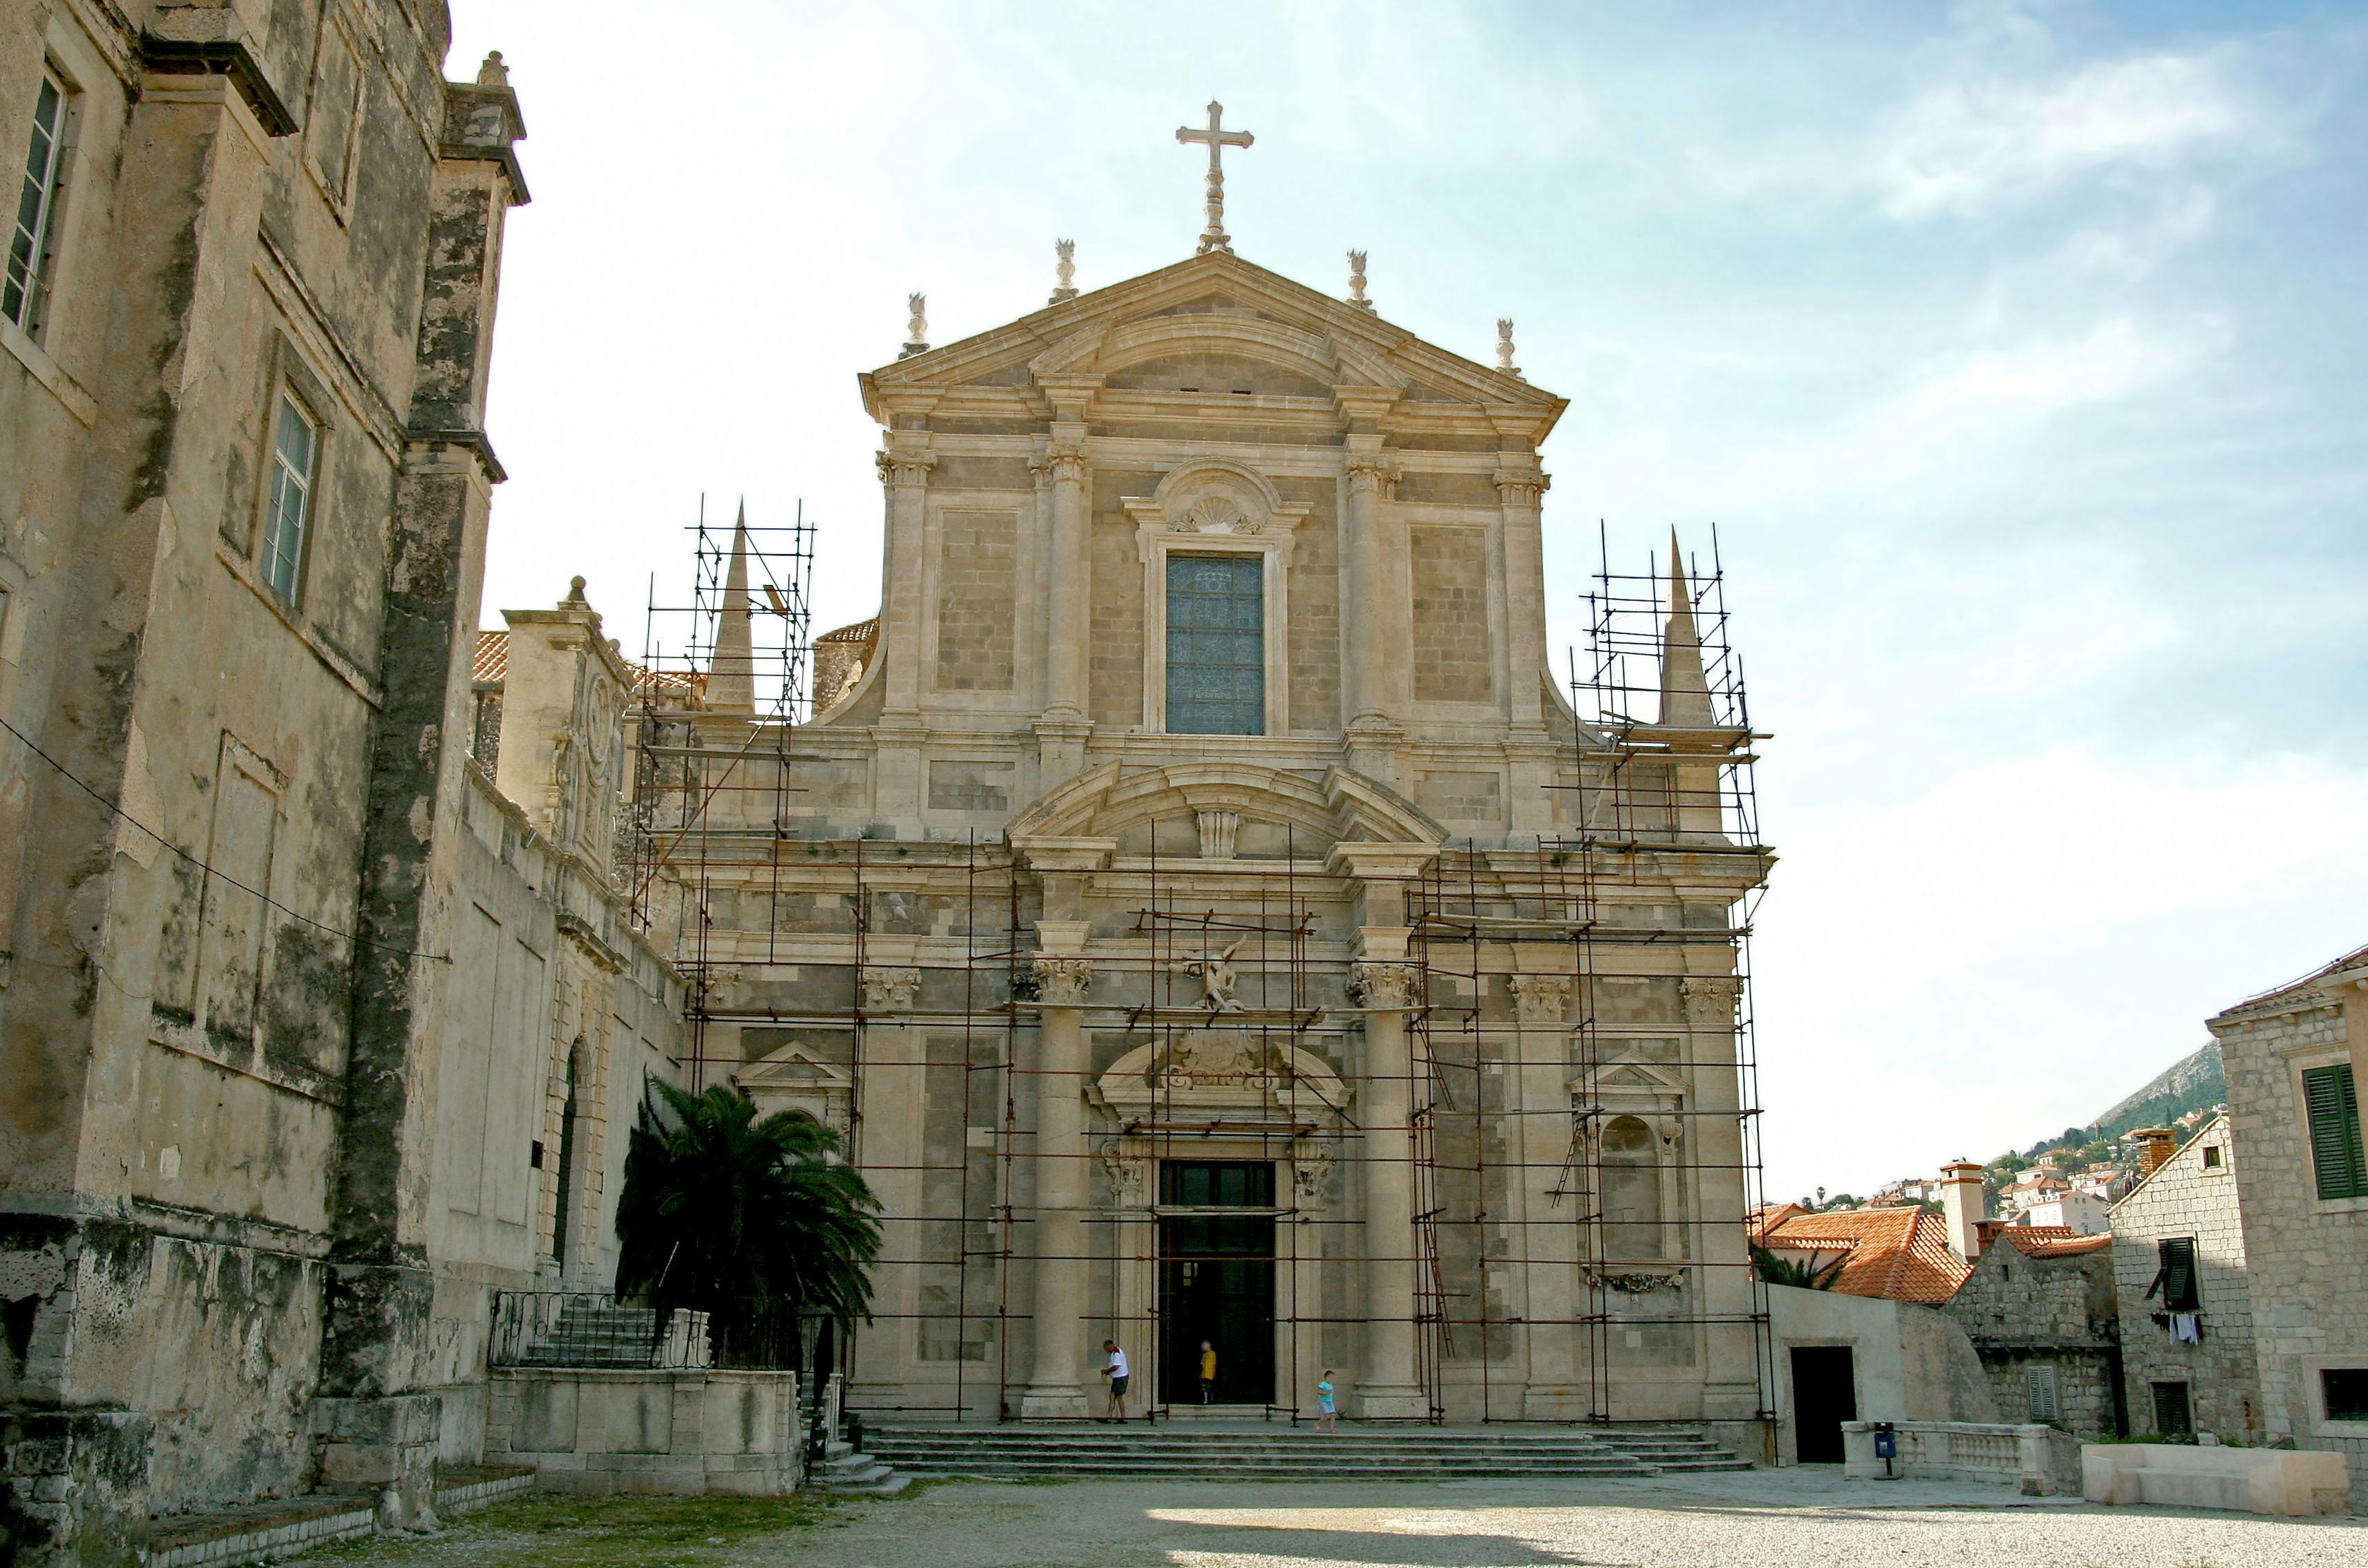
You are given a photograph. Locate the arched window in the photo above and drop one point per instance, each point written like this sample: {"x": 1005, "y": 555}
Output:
{"x": 1632, "y": 1191}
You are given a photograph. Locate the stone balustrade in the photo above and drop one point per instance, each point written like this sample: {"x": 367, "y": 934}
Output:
{"x": 2041, "y": 1460}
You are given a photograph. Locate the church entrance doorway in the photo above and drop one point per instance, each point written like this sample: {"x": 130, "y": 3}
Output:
{"x": 1216, "y": 1279}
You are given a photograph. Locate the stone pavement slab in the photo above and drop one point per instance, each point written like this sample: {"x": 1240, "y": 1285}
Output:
{"x": 1792, "y": 1518}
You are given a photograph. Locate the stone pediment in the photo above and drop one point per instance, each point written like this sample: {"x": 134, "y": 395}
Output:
{"x": 1106, "y": 801}
{"x": 1217, "y": 306}
{"x": 1229, "y": 1076}
{"x": 794, "y": 1078}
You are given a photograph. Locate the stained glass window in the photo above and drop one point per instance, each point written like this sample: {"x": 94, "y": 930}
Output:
{"x": 1217, "y": 645}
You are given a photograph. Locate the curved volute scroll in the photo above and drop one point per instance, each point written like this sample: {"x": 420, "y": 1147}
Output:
{"x": 1098, "y": 805}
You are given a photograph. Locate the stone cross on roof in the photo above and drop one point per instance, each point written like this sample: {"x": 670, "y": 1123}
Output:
{"x": 1218, "y": 139}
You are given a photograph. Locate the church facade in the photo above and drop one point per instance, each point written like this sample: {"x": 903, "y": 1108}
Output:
{"x": 1202, "y": 914}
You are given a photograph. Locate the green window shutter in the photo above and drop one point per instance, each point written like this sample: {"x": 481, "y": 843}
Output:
{"x": 2333, "y": 1104}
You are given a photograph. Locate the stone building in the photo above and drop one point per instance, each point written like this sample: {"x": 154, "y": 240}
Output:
{"x": 2293, "y": 1057}
{"x": 2040, "y": 1307}
{"x": 2184, "y": 1290}
{"x": 286, "y": 996}
{"x": 1204, "y": 914}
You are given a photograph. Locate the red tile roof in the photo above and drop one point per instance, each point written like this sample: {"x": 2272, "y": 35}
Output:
{"x": 492, "y": 665}
{"x": 1901, "y": 1255}
{"x": 2278, "y": 993}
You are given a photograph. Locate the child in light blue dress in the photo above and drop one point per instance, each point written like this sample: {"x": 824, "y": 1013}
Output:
{"x": 1327, "y": 1416}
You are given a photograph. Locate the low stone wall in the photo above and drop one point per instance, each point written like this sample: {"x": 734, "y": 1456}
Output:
{"x": 595, "y": 1431}
{"x": 2040, "y": 1461}
{"x": 2295, "y": 1483}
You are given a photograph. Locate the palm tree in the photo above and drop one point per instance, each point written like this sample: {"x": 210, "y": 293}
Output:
{"x": 1777, "y": 1270}
{"x": 754, "y": 1222}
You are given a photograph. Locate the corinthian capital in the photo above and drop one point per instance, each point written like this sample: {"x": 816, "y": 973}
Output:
{"x": 890, "y": 990}
{"x": 1068, "y": 464}
{"x": 1710, "y": 1000}
{"x": 1541, "y": 998}
{"x": 1384, "y": 986}
{"x": 1062, "y": 982}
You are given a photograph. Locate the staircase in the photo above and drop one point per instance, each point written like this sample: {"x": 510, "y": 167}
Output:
{"x": 843, "y": 1472}
{"x": 591, "y": 1333}
{"x": 1249, "y": 1453}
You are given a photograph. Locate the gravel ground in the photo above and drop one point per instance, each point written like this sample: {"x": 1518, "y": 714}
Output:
{"x": 1786, "y": 1518}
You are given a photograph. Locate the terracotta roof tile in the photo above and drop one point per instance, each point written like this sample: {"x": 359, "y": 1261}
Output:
{"x": 493, "y": 658}
{"x": 2277, "y": 993}
{"x": 1902, "y": 1254}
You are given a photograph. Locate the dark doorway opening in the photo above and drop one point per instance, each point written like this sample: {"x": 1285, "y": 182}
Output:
{"x": 1216, "y": 1280}
{"x": 1825, "y": 1394}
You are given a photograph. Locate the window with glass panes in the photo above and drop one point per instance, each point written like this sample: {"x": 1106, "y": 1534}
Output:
{"x": 294, "y": 445}
{"x": 36, "y": 201}
{"x": 1217, "y": 645}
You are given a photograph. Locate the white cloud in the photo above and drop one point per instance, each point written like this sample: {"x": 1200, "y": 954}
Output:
{"x": 1964, "y": 148}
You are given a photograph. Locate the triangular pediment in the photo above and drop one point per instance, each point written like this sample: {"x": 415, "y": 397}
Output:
{"x": 1213, "y": 308}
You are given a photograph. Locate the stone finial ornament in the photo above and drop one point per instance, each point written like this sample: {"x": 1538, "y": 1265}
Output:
{"x": 1505, "y": 348}
{"x": 917, "y": 326}
{"x": 1357, "y": 281}
{"x": 1216, "y": 139}
{"x": 492, "y": 73}
{"x": 1065, "y": 270}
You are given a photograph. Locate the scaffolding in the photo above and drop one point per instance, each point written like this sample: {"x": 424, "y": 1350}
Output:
{"x": 1567, "y": 1127}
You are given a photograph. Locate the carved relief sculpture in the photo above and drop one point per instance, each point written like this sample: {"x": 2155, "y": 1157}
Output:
{"x": 1217, "y": 974}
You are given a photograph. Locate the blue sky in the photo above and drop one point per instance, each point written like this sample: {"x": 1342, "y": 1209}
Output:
{"x": 2014, "y": 348}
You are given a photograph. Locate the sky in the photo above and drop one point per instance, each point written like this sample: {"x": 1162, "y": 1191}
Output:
{"x": 2014, "y": 350}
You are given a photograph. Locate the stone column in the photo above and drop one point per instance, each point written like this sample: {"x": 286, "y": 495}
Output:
{"x": 897, "y": 788}
{"x": 1376, "y": 605}
{"x": 1055, "y": 1383}
{"x": 1539, "y": 1103}
{"x": 1723, "y": 1276}
{"x": 1068, "y": 629}
{"x": 1390, "y": 1385}
{"x": 1519, "y": 485}
{"x": 1532, "y": 757}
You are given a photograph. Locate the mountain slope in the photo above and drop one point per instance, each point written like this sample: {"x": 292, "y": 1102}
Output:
{"x": 2192, "y": 1083}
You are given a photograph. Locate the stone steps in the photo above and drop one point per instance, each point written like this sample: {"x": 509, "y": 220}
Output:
{"x": 593, "y": 1335}
{"x": 843, "y": 1472}
{"x": 1286, "y": 1455}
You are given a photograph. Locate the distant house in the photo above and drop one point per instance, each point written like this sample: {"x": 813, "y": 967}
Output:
{"x": 2074, "y": 1210}
{"x": 2039, "y": 1306}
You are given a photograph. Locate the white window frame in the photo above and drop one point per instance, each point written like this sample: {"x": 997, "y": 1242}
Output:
{"x": 1216, "y": 507}
{"x": 40, "y": 240}
{"x": 279, "y": 471}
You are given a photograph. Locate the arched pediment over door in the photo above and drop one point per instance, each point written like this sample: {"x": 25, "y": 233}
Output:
{"x": 1225, "y": 811}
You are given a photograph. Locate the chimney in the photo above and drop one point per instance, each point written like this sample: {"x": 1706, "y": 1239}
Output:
{"x": 2156, "y": 1146}
{"x": 1966, "y": 1207}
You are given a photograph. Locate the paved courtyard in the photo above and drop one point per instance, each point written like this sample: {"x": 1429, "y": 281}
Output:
{"x": 1792, "y": 1519}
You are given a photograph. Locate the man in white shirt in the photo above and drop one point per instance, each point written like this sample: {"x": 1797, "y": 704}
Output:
{"x": 1115, "y": 1370}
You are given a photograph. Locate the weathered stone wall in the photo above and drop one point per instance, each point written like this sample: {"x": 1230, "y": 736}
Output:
{"x": 2307, "y": 1256}
{"x": 2060, "y": 1314}
{"x": 2186, "y": 1198}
